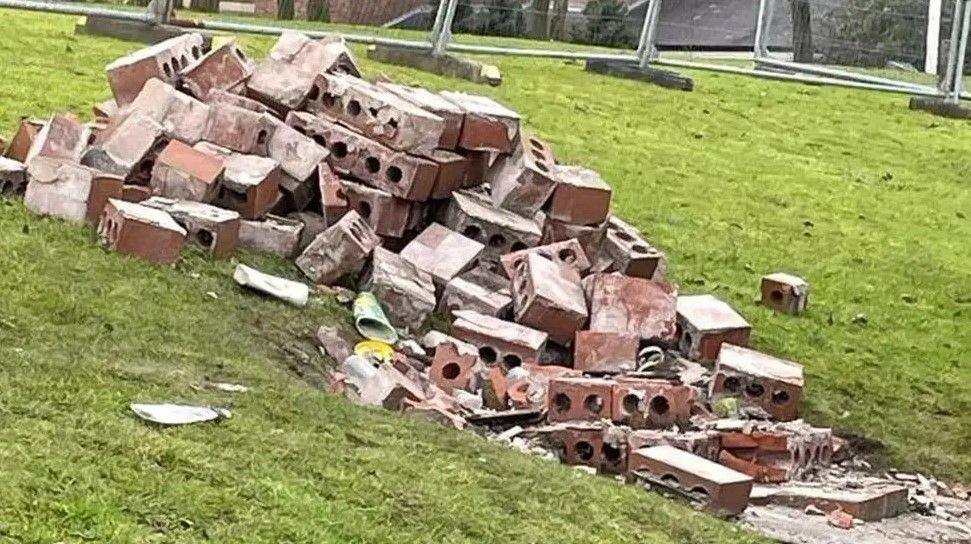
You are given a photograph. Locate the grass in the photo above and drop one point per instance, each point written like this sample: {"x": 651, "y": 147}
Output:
{"x": 866, "y": 199}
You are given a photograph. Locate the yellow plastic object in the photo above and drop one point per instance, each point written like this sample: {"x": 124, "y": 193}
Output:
{"x": 375, "y": 350}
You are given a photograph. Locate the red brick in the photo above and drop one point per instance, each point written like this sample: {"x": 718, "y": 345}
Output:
{"x": 605, "y": 352}
{"x": 581, "y": 196}
{"x": 499, "y": 230}
{"x": 239, "y": 129}
{"x": 590, "y": 237}
{"x": 549, "y": 297}
{"x": 451, "y": 172}
{"x": 452, "y": 115}
{"x": 568, "y": 253}
{"x": 442, "y": 253}
{"x": 758, "y": 379}
{"x": 777, "y": 453}
{"x": 785, "y": 293}
{"x": 213, "y": 229}
{"x": 871, "y": 503}
{"x": 727, "y": 491}
{"x": 62, "y": 137}
{"x": 579, "y": 399}
{"x": 129, "y": 150}
{"x": 622, "y": 304}
{"x": 488, "y": 125}
{"x": 387, "y": 214}
{"x": 406, "y": 292}
{"x": 701, "y": 443}
{"x": 463, "y": 294}
{"x": 219, "y": 96}
{"x": 184, "y": 118}
{"x": 222, "y": 68}
{"x": 628, "y": 252}
{"x": 332, "y": 198}
{"x": 524, "y": 181}
{"x": 477, "y": 166}
{"x": 65, "y": 189}
{"x": 705, "y": 323}
{"x": 659, "y": 404}
{"x": 298, "y": 154}
{"x": 499, "y": 342}
{"x": 162, "y": 61}
{"x": 452, "y": 368}
{"x": 277, "y": 235}
{"x": 250, "y": 184}
{"x": 341, "y": 249}
{"x": 184, "y": 173}
{"x": 142, "y": 232}
{"x": 23, "y": 139}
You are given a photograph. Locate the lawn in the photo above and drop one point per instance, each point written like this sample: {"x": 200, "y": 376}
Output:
{"x": 866, "y": 199}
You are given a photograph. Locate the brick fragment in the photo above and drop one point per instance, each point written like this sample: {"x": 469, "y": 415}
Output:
{"x": 701, "y": 443}
{"x": 442, "y": 253}
{"x": 135, "y": 193}
{"x": 727, "y": 491}
{"x": 488, "y": 125}
{"x": 142, "y": 232}
{"x": 62, "y": 137}
{"x": 277, "y": 235}
{"x": 333, "y": 200}
{"x": 297, "y": 153}
{"x": 239, "y": 129}
{"x": 225, "y": 67}
{"x": 705, "y": 323}
{"x": 451, "y": 114}
{"x": 339, "y": 250}
{"x": 451, "y": 172}
{"x": 213, "y": 229}
{"x": 579, "y": 399}
{"x": 13, "y": 177}
{"x": 871, "y": 503}
{"x": 313, "y": 224}
{"x": 590, "y": 237}
{"x": 568, "y": 253}
{"x": 185, "y": 173}
{"x": 378, "y": 114}
{"x": 523, "y": 182}
{"x": 406, "y": 292}
{"x": 387, "y": 214}
{"x": 463, "y": 294}
{"x": 352, "y": 154}
{"x": 623, "y": 304}
{"x": 549, "y": 297}
{"x": 68, "y": 190}
{"x": 581, "y": 196}
{"x": 477, "y": 168}
{"x": 759, "y": 379}
{"x": 23, "y": 140}
{"x": 162, "y": 61}
{"x": 452, "y": 367}
{"x": 777, "y": 453}
{"x": 218, "y": 96}
{"x": 285, "y": 78}
{"x": 628, "y": 252}
{"x": 785, "y": 293}
{"x": 105, "y": 110}
{"x": 129, "y": 150}
{"x": 250, "y": 183}
{"x": 501, "y": 231}
{"x": 605, "y": 352}
{"x": 499, "y": 342}
{"x": 184, "y": 118}
{"x": 659, "y": 404}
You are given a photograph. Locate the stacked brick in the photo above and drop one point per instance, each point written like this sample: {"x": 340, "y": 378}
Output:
{"x": 437, "y": 202}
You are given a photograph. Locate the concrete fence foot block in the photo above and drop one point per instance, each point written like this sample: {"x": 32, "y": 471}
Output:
{"x": 443, "y": 65}
{"x": 631, "y": 70}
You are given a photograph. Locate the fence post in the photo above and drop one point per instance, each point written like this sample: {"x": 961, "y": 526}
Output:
{"x": 933, "y": 42}
{"x": 956, "y": 19}
{"x": 445, "y": 33}
{"x": 439, "y": 18}
{"x": 957, "y": 86}
{"x": 645, "y": 47}
{"x": 761, "y": 48}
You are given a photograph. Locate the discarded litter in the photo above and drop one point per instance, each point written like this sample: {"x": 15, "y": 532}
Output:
{"x": 178, "y": 414}
{"x": 294, "y": 292}
{"x": 370, "y": 320}
{"x": 375, "y": 350}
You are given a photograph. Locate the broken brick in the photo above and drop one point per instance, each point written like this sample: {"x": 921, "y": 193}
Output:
{"x": 549, "y": 297}
{"x": 590, "y": 237}
{"x": 785, "y": 293}
{"x": 623, "y": 304}
{"x": 184, "y": 173}
{"x": 452, "y": 368}
{"x": 277, "y": 235}
{"x": 759, "y": 379}
{"x": 488, "y": 125}
{"x": 579, "y": 399}
{"x": 225, "y": 67}
{"x": 451, "y": 114}
{"x": 581, "y": 196}
{"x": 135, "y": 193}
{"x": 406, "y": 292}
{"x": 387, "y": 214}
{"x": 568, "y": 253}
{"x": 213, "y": 229}
{"x": 23, "y": 139}
{"x": 705, "y": 323}
{"x": 777, "y": 453}
{"x": 628, "y": 252}
{"x": 129, "y": 150}
{"x": 442, "y": 253}
{"x": 62, "y": 137}
{"x": 142, "y": 232}
{"x": 250, "y": 183}
{"x": 218, "y": 96}
{"x": 333, "y": 201}
{"x": 239, "y": 129}
{"x": 523, "y": 181}
{"x": 162, "y": 61}
{"x": 501, "y": 231}
{"x": 871, "y": 503}
{"x": 701, "y": 443}
{"x": 184, "y": 118}
{"x": 68, "y": 190}
{"x": 726, "y": 490}
{"x": 605, "y": 352}
{"x": 463, "y": 294}
{"x": 339, "y": 250}
{"x": 499, "y": 342}
{"x": 645, "y": 403}
{"x": 13, "y": 177}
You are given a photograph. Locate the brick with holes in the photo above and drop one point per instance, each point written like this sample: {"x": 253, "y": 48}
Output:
{"x": 377, "y": 113}
{"x": 605, "y": 352}
{"x": 623, "y": 304}
{"x": 162, "y": 61}
{"x": 388, "y": 215}
{"x": 774, "y": 453}
{"x": 501, "y": 231}
{"x": 568, "y": 253}
{"x": 871, "y": 503}
{"x": 580, "y": 399}
{"x": 65, "y": 189}
{"x": 628, "y": 252}
{"x": 705, "y": 323}
{"x": 273, "y": 234}
{"x": 450, "y": 174}
{"x": 759, "y": 379}
{"x": 590, "y": 237}
{"x": 250, "y": 183}
{"x": 785, "y": 293}
{"x": 184, "y": 173}
{"x": 499, "y": 341}
{"x": 488, "y": 125}
{"x": 240, "y": 129}
{"x": 142, "y": 232}
{"x": 477, "y": 166}
{"x": 23, "y": 139}
{"x": 579, "y": 444}
{"x": 61, "y": 137}
{"x": 129, "y": 150}
{"x": 352, "y": 154}
{"x": 333, "y": 201}
{"x": 285, "y": 79}
{"x": 218, "y": 96}
{"x": 647, "y": 403}
{"x": 549, "y": 297}
{"x": 213, "y": 229}
{"x": 726, "y": 490}
{"x": 183, "y": 117}
{"x": 13, "y": 177}
{"x": 407, "y": 293}
{"x": 313, "y": 224}
{"x": 298, "y": 154}
{"x": 451, "y": 114}
{"x": 523, "y": 182}
{"x": 339, "y": 250}
{"x": 701, "y": 443}
{"x": 463, "y": 294}
{"x": 453, "y": 366}
{"x": 442, "y": 253}
{"x": 581, "y": 196}
{"x": 225, "y": 67}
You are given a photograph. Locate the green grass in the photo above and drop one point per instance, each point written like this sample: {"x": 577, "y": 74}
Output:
{"x": 866, "y": 199}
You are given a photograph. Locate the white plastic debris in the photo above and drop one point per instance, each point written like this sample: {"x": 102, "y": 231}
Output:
{"x": 229, "y": 387}
{"x": 294, "y": 292}
{"x": 178, "y": 414}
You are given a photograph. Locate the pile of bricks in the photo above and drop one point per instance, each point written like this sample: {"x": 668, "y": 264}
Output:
{"x": 561, "y": 317}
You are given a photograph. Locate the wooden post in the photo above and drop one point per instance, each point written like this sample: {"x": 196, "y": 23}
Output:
{"x": 540, "y": 19}
{"x": 559, "y": 26}
{"x": 802, "y": 32}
